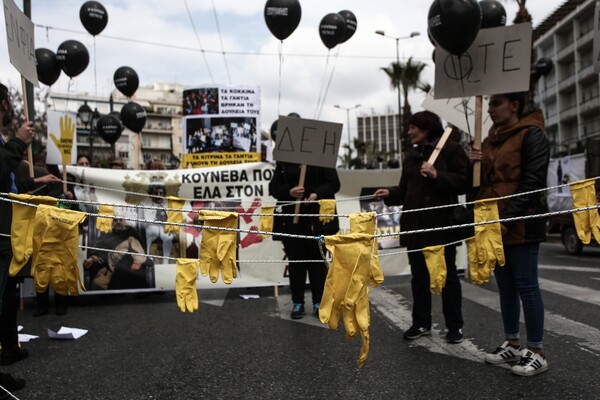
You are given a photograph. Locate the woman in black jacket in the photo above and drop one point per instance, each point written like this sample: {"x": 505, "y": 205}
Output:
{"x": 423, "y": 185}
{"x": 320, "y": 183}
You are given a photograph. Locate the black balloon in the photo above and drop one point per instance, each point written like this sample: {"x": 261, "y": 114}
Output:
{"x": 73, "y": 57}
{"x": 109, "y": 128}
{"x": 93, "y": 16}
{"x": 544, "y": 66}
{"x": 433, "y": 55}
{"x": 126, "y": 80}
{"x": 294, "y": 115}
{"x": 115, "y": 114}
{"x": 133, "y": 116}
{"x": 282, "y": 17}
{"x": 47, "y": 66}
{"x": 274, "y": 129}
{"x": 332, "y": 30}
{"x": 493, "y": 14}
{"x": 351, "y": 24}
{"x": 454, "y": 24}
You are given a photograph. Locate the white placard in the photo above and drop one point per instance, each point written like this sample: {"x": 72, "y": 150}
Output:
{"x": 21, "y": 43}
{"x": 499, "y": 61}
{"x": 453, "y": 111}
{"x": 307, "y": 141}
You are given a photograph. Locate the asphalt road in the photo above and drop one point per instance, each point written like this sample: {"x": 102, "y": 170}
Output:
{"x": 145, "y": 348}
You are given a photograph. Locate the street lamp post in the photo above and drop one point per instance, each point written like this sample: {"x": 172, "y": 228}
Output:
{"x": 400, "y": 116}
{"x": 85, "y": 116}
{"x": 347, "y": 109}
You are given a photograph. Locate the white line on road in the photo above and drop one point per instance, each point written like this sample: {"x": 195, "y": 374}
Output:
{"x": 566, "y": 268}
{"x": 575, "y": 292}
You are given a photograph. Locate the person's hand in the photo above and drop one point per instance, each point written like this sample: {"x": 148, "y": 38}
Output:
{"x": 47, "y": 179}
{"x": 474, "y": 154}
{"x": 381, "y": 194}
{"x": 69, "y": 195}
{"x": 312, "y": 197}
{"x": 135, "y": 266}
{"x": 65, "y": 142}
{"x": 88, "y": 262}
{"x": 25, "y": 132}
{"x": 297, "y": 192}
{"x": 428, "y": 170}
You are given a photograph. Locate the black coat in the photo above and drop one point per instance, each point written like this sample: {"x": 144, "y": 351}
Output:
{"x": 416, "y": 191}
{"x": 11, "y": 155}
{"x": 322, "y": 181}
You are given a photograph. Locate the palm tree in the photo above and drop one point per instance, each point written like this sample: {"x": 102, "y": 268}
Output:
{"x": 523, "y": 14}
{"x": 406, "y": 75}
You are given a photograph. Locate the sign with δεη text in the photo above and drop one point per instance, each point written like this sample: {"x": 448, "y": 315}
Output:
{"x": 499, "y": 61}
{"x": 20, "y": 39}
{"x": 307, "y": 141}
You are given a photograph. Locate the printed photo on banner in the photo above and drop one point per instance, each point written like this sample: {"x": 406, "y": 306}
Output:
{"x": 221, "y": 134}
{"x": 388, "y": 218}
{"x": 200, "y": 101}
{"x": 62, "y": 138}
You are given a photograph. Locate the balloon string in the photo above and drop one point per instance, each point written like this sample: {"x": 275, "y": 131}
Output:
{"x": 322, "y": 83}
{"x": 462, "y": 94}
{"x": 95, "y": 76}
{"x": 329, "y": 82}
{"x": 280, "y": 50}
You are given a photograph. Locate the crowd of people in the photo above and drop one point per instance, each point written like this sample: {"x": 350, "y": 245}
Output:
{"x": 514, "y": 159}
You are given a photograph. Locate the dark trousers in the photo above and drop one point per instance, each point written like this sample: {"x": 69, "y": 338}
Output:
{"x": 9, "y": 336}
{"x": 303, "y": 249}
{"x": 451, "y": 294}
{"x": 43, "y": 299}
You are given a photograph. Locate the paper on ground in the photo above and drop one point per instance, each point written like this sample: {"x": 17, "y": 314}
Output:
{"x": 67, "y": 333}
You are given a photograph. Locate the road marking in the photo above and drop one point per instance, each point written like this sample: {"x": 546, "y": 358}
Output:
{"x": 565, "y": 268}
{"x": 215, "y": 297}
{"x": 574, "y": 292}
{"x": 396, "y": 308}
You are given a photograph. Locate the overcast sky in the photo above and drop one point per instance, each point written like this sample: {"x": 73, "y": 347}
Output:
{"x": 357, "y": 77}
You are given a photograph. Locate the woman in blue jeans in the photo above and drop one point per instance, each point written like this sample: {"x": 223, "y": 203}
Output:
{"x": 514, "y": 159}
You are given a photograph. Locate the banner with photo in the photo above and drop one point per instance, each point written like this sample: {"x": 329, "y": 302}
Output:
{"x": 220, "y": 119}
{"x": 243, "y": 188}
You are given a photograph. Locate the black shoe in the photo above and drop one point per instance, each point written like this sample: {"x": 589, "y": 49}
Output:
{"x": 454, "y": 336}
{"x": 298, "y": 311}
{"x": 8, "y": 357}
{"x": 61, "y": 310}
{"x": 416, "y": 332}
{"x": 39, "y": 311}
{"x": 11, "y": 384}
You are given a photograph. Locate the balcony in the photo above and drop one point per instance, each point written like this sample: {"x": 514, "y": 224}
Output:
{"x": 590, "y": 106}
{"x": 567, "y": 83}
{"x": 565, "y": 52}
{"x": 568, "y": 113}
{"x": 585, "y": 39}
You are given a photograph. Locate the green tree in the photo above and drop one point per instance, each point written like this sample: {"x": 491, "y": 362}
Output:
{"x": 40, "y": 122}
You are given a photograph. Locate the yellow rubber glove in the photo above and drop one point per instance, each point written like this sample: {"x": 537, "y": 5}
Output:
{"x": 218, "y": 247}
{"x": 55, "y": 245}
{"x": 65, "y": 142}
{"x": 326, "y": 207}
{"x": 474, "y": 261}
{"x": 358, "y": 320}
{"x": 21, "y": 228}
{"x": 266, "y": 221}
{"x": 104, "y": 225}
{"x": 348, "y": 252}
{"x": 586, "y": 222}
{"x": 185, "y": 284}
{"x": 365, "y": 223}
{"x": 436, "y": 265}
{"x": 174, "y": 203}
{"x": 489, "y": 236}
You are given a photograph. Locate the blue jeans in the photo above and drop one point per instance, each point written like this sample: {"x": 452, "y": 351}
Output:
{"x": 518, "y": 282}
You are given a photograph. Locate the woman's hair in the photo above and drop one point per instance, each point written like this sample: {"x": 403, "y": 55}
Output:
{"x": 516, "y": 96}
{"x": 4, "y": 95}
{"x": 429, "y": 122}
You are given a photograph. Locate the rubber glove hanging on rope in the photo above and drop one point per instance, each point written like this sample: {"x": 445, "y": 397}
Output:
{"x": 436, "y": 265}
{"x": 219, "y": 247}
{"x": 266, "y": 221}
{"x": 176, "y": 217}
{"x": 586, "y": 222}
{"x": 55, "y": 245}
{"x": 488, "y": 240}
{"x": 185, "y": 284}
{"x": 104, "y": 225}
{"x": 21, "y": 229}
{"x": 365, "y": 223}
{"x": 326, "y": 206}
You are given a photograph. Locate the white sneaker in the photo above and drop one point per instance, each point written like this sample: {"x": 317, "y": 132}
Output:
{"x": 504, "y": 354}
{"x": 530, "y": 364}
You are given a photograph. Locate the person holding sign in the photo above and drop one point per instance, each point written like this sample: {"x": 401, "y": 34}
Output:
{"x": 514, "y": 159}
{"x": 11, "y": 153}
{"x": 319, "y": 183}
{"x": 424, "y": 185}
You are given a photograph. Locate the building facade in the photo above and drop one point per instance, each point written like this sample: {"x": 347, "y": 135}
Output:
{"x": 381, "y": 130}
{"x": 160, "y": 137}
{"x": 570, "y": 94}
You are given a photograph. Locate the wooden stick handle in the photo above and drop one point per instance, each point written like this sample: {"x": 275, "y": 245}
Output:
{"x": 64, "y": 177}
{"x": 300, "y": 183}
{"x": 477, "y": 139}
{"x": 26, "y": 113}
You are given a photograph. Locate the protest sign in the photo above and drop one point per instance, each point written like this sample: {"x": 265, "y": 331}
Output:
{"x": 21, "y": 43}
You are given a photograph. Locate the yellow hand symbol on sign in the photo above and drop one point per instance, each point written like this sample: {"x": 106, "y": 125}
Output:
{"x": 65, "y": 143}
